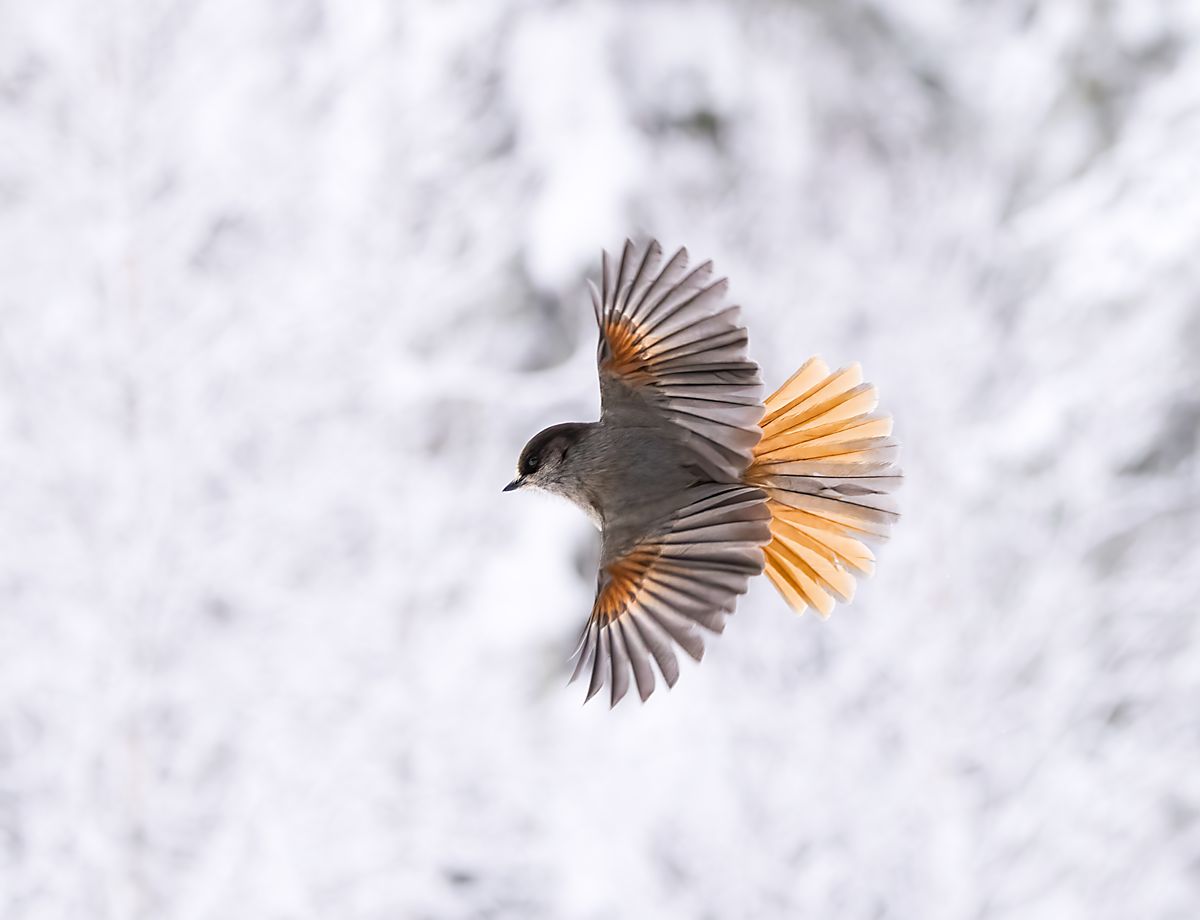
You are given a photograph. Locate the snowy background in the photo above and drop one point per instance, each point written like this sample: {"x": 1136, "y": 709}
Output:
{"x": 284, "y": 288}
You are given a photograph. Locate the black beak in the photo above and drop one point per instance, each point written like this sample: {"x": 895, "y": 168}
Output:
{"x": 515, "y": 484}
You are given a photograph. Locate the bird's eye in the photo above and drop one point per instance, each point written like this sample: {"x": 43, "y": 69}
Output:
{"x": 531, "y": 464}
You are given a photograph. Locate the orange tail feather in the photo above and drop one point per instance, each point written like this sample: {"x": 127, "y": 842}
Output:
{"x": 827, "y": 464}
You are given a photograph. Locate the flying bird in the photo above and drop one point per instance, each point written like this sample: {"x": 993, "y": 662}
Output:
{"x": 696, "y": 484}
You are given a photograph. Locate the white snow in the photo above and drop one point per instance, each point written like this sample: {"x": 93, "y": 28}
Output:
{"x": 284, "y": 288}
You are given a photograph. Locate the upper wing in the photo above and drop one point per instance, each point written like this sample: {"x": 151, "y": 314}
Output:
{"x": 688, "y": 571}
{"x": 670, "y": 349}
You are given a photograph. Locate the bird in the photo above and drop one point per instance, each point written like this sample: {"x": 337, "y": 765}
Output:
{"x": 697, "y": 483}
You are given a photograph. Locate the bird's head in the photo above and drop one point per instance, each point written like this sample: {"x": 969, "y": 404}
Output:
{"x": 544, "y": 462}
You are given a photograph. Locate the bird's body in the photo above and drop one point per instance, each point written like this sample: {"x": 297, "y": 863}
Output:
{"x": 622, "y": 473}
{"x": 695, "y": 484}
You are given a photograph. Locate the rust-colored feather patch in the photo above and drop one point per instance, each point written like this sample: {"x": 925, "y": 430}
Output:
{"x": 622, "y": 580}
{"x": 626, "y": 346}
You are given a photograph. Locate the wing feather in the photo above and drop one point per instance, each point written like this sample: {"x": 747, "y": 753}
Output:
{"x": 659, "y": 645}
{"x": 599, "y": 664}
{"x": 672, "y": 351}
{"x": 639, "y": 657}
{"x": 686, "y": 573}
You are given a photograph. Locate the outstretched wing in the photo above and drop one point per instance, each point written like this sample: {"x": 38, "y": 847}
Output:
{"x": 653, "y": 592}
{"x": 672, "y": 350}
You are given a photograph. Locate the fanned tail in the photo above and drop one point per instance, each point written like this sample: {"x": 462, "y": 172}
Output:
{"x": 827, "y": 464}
